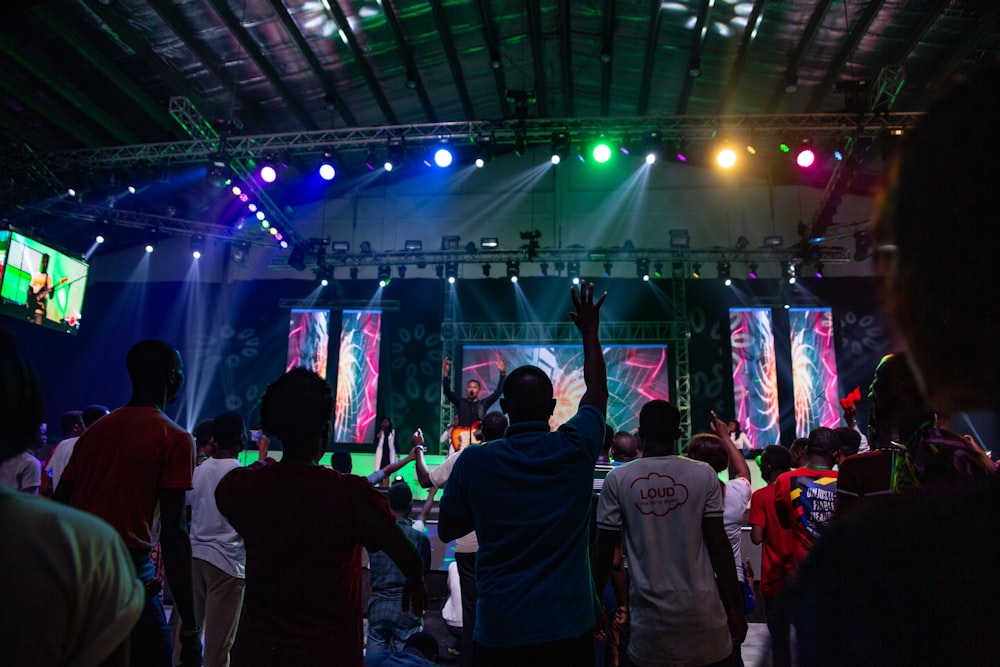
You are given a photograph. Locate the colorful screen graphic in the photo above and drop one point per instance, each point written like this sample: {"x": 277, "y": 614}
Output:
{"x": 309, "y": 340}
{"x": 636, "y": 374}
{"x": 755, "y": 375}
{"x": 357, "y": 375}
{"x": 814, "y": 369}
{"x": 39, "y": 284}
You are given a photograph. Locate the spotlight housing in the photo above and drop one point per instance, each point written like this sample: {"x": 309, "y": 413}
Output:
{"x": 573, "y": 272}
{"x": 327, "y": 168}
{"x": 642, "y": 269}
{"x": 513, "y": 269}
{"x": 197, "y": 246}
{"x": 560, "y": 147}
{"x": 384, "y": 275}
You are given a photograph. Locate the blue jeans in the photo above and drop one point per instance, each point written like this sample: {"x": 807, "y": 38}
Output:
{"x": 149, "y": 643}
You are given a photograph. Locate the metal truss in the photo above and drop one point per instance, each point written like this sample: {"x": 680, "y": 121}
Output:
{"x": 531, "y": 131}
{"x": 557, "y": 332}
{"x": 449, "y": 349}
{"x": 682, "y": 357}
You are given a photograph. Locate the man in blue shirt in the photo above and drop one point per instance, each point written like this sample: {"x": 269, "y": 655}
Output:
{"x": 528, "y": 498}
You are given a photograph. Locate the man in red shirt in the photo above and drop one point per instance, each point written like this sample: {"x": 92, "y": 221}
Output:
{"x": 304, "y": 525}
{"x": 776, "y": 554}
{"x": 132, "y": 469}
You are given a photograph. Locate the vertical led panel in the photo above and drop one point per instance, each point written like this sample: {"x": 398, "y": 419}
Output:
{"x": 814, "y": 369}
{"x": 636, "y": 374}
{"x": 755, "y": 375}
{"x": 357, "y": 376}
{"x": 309, "y": 340}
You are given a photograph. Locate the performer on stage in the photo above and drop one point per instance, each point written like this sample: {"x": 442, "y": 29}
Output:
{"x": 386, "y": 451}
{"x": 470, "y": 407}
{"x": 38, "y": 292}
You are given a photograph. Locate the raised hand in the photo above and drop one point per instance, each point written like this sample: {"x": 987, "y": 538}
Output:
{"x": 447, "y": 366}
{"x": 587, "y": 316}
{"x": 502, "y": 365}
{"x": 719, "y": 427}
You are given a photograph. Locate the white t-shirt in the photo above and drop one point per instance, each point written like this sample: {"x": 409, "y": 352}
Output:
{"x": 70, "y": 594}
{"x": 676, "y": 613}
{"x": 21, "y": 472}
{"x": 59, "y": 459}
{"x": 467, "y": 544}
{"x": 212, "y": 538}
{"x": 736, "y": 498}
{"x": 451, "y": 612}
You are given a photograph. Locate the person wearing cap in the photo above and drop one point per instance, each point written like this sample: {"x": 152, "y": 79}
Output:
{"x": 389, "y": 623}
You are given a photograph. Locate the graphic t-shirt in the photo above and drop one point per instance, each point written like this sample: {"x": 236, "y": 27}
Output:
{"x": 807, "y": 496}
{"x": 779, "y": 542}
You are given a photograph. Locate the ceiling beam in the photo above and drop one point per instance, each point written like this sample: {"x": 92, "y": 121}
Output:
{"x": 107, "y": 69}
{"x": 22, "y": 133}
{"x": 338, "y": 16}
{"x": 958, "y": 53}
{"x": 444, "y": 31}
{"x": 59, "y": 120}
{"x": 736, "y": 71}
{"x": 74, "y": 96}
{"x": 329, "y": 85}
{"x": 169, "y": 14}
{"x": 565, "y": 11}
{"x": 406, "y": 55}
{"x": 929, "y": 16}
{"x": 263, "y": 64}
{"x": 795, "y": 61}
{"x": 534, "y": 11}
{"x": 697, "y": 40}
{"x": 846, "y": 49}
{"x": 607, "y": 54}
{"x": 652, "y": 40}
{"x": 493, "y": 44}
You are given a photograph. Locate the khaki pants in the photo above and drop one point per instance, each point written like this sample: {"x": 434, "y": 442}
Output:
{"x": 218, "y": 600}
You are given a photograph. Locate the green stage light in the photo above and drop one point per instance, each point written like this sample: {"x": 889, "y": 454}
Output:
{"x": 602, "y": 153}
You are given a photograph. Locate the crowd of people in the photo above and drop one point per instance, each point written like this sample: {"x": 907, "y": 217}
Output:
{"x": 881, "y": 557}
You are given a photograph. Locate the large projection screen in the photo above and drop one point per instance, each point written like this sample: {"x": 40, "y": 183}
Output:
{"x": 636, "y": 374}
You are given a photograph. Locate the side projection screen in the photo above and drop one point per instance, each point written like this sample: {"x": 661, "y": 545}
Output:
{"x": 40, "y": 284}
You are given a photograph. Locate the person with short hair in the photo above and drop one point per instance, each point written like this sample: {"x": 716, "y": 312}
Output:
{"x": 471, "y": 408}
{"x": 304, "y": 526}
{"x": 776, "y": 553}
{"x": 388, "y": 625}
{"x": 536, "y": 602}
{"x": 132, "y": 468}
{"x": 685, "y": 605}
{"x": 218, "y": 554}
{"x": 72, "y": 426}
{"x": 625, "y": 448}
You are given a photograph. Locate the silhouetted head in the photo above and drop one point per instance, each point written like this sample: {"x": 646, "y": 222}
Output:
{"x": 848, "y": 443}
{"x": 400, "y": 498}
{"x": 71, "y": 423}
{"x": 897, "y": 404}
{"x": 937, "y": 244}
{"x": 709, "y": 448}
{"x": 92, "y": 413}
{"x": 659, "y": 428}
{"x": 155, "y": 367}
{"x": 527, "y": 395}
{"x": 494, "y": 425}
{"x": 386, "y": 424}
{"x": 296, "y": 409}
{"x": 823, "y": 442}
{"x": 229, "y": 433}
{"x": 797, "y": 452}
{"x": 773, "y": 461}
{"x": 625, "y": 447}
{"x": 342, "y": 462}
{"x": 21, "y": 410}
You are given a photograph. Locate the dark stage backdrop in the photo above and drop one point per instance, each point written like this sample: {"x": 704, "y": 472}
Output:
{"x": 234, "y": 337}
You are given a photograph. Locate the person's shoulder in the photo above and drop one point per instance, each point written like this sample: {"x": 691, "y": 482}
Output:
{"x": 763, "y": 494}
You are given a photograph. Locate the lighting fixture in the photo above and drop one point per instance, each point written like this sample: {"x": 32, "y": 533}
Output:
{"x": 819, "y": 269}
{"x": 450, "y": 242}
{"x": 325, "y": 275}
{"x": 485, "y": 148}
{"x": 805, "y": 157}
{"x": 601, "y": 152}
{"x": 413, "y": 244}
{"x": 560, "y": 147}
{"x": 327, "y": 169}
{"x": 395, "y": 153}
{"x": 520, "y": 142}
{"x": 723, "y": 268}
{"x": 371, "y": 159}
{"x": 384, "y": 275}
{"x": 451, "y": 271}
{"x": 268, "y": 171}
{"x": 297, "y": 258}
{"x": 696, "y": 270}
{"x": 607, "y": 269}
{"x": 366, "y": 248}
{"x": 654, "y": 146}
{"x": 752, "y": 270}
{"x": 197, "y": 246}
{"x": 658, "y": 269}
{"x": 726, "y": 157}
{"x": 694, "y": 68}
{"x": 573, "y": 272}
{"x": 788, "y": 271}
{"x": 486, "y": 270}
{"x": 340, "y": 246}
{"x": 543, "y": 268}
{"x": 791, "y": 82}
{"x": 218, "y": 170}
{"x": 401, "y": 271}
{"x": 679, "y": 238}
{"x": 489, "y": 242}
{"x": 642, "y": 269}
{"x": 513, "y": 269}
{"x": 774, "y": 241}
{"x": 443, "y": 156}
{"x": 742, "y": 243}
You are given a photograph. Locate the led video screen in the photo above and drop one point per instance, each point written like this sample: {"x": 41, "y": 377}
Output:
{"x": 40, "y": 284}
{"x": 636, "y": 374}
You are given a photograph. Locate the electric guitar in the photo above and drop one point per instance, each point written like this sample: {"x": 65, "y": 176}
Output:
{"x": 463, "y": 436}
{"x": 36, "y": 299}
